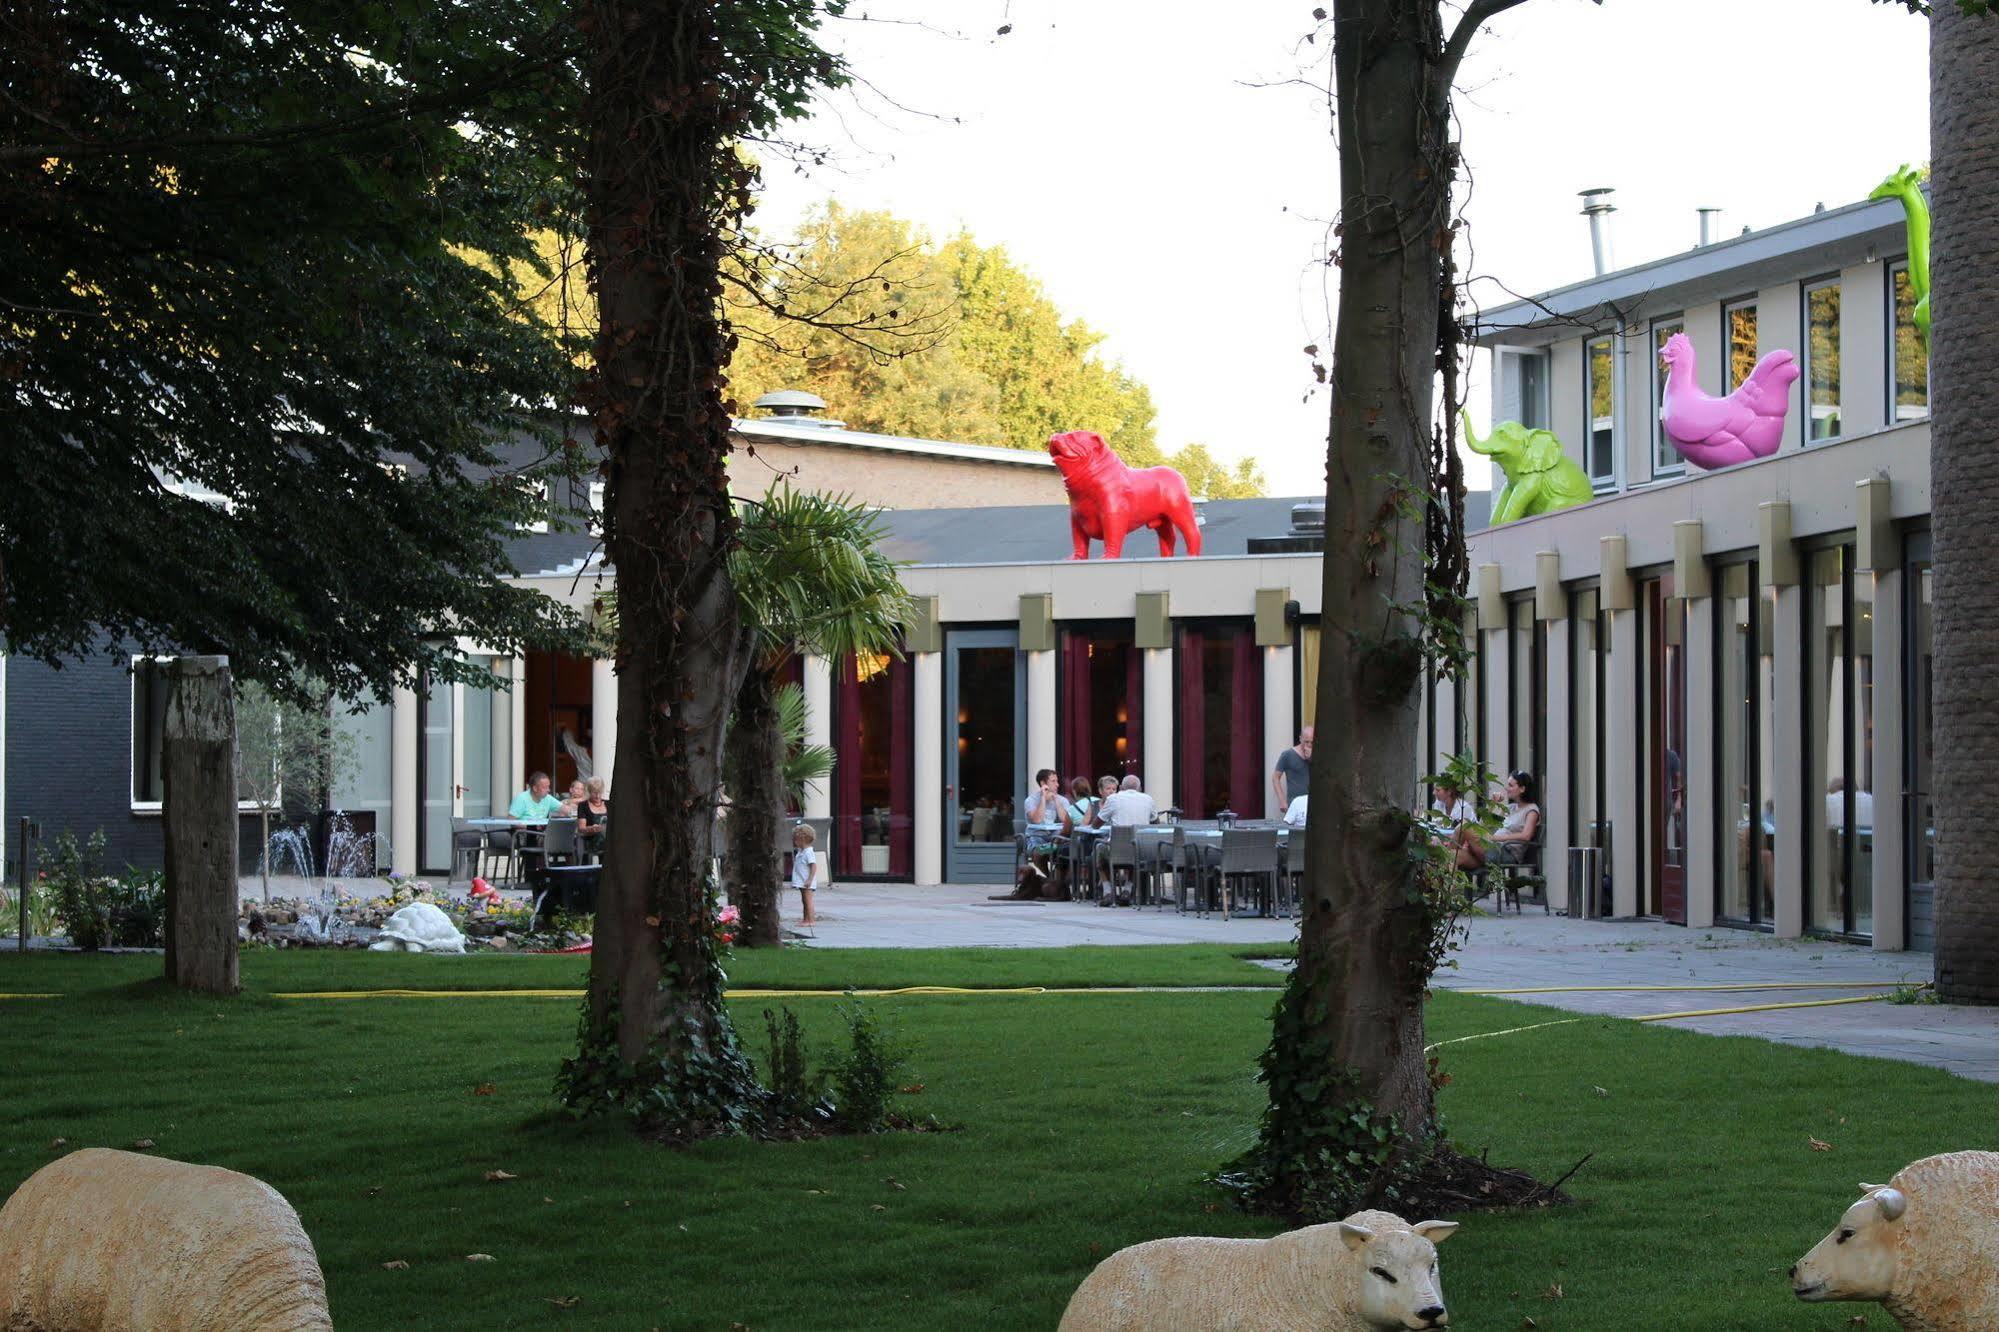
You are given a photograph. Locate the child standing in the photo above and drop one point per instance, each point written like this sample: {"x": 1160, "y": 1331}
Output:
{"x": 804, "y": 868}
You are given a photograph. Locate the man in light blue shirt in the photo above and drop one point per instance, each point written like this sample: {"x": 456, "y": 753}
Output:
{"x": 535, "y": 804}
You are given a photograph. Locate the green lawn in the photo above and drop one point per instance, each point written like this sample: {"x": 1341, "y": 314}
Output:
{"x": 1087, "y": 1123}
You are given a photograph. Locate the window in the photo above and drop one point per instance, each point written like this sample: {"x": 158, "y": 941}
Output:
{"x": 1839, "y": 790}
{"x": 1666, "y": 460}
{"x": 1910, "y": 369}
{"x": 1822, "y": 360}
{"x": 1523, "y": 388}
{"x": 149, "y": 716}
{"x": 1599, "y": 363}
{"x": 1747, "y": 844}
{"x": 535, "y": 491}
{"x": 1738, "y": 325}
{"x": 1589, "y": 645}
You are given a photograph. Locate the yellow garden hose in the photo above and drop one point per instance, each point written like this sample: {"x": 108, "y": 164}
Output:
{"x": 1667, "y": 1017}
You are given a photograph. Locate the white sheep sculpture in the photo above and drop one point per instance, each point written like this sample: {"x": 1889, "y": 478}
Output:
{"x": 1371, "y": 1271}
{"x": 1925, "y": 1246}
{"x": 110, "y": 1241}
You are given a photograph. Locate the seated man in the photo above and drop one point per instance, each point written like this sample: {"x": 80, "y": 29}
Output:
{"x": 1131, "y": 807}
{"x": 1294, "y": 815}
{"x": 537, "y": 804}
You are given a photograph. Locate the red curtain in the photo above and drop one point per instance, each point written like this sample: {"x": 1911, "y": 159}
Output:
{"x": 847, "y": 768}
{"x": 1246, "y": 727}
{"x": 1193, "y": 733}
{"x": 901, "y": 773}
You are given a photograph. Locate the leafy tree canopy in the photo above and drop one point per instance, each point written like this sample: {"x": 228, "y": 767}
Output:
{"x": 240, "y": 274}
{"x": 952, "y": 341}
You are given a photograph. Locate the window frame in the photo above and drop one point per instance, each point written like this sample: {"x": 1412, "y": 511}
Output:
{"x": 156, "y": 807}
{"x": 1805, "y": 290}
{"x": 1607, "y": 481}
{"x": 1890, "y": 268}
{"x": 1728, "y": 308}
{"x": 1662, "y": 445}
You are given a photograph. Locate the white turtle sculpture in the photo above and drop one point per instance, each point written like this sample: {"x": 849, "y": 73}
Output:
{"x": 419, "y": 928}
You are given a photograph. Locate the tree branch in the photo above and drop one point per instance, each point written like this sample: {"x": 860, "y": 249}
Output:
{"x": 1469, "y": 22}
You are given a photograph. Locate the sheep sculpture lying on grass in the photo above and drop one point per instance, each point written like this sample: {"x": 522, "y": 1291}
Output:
{"x": 1925, "y": 1245}
{"x": 1371, "y": 1271}
{"x": 109, "y": 1241}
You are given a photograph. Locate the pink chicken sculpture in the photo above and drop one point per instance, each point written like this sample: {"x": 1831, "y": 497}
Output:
{"x": 1714, "y": 432}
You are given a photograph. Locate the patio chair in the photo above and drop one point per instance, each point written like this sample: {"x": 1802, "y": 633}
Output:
{"x": 559, "y": 842}
{"x": 1192, "y": 869}
{"x": 1248, "y": 854}
{"x": 1505, "y": 881}
{"x": 1121, "y": 852}
{"x": 468, "y": 846}
{"x": 1294, "y": 869}
{"x": 1019, "y": 847}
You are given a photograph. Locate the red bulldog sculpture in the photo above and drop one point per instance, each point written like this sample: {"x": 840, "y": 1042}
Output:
{"x": 1108, "y": 500}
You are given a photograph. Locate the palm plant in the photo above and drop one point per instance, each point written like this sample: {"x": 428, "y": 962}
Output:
{"x": 811, "y": 576}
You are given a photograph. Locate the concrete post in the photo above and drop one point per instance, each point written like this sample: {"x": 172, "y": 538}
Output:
{"x": 1279, "y": 725}
{"x": 1891, "y": 919}
{"x": 1040, "y": 711}
{"x": 1498, "y": 754}
{"x": 1158, "y": 724}
{"x": 819, "y": 730}
{"x": 604, "y": 716}
{"x": 402, "y": 780}
{"x": 1620, "y": 760}
{"x": 928, "y": 769}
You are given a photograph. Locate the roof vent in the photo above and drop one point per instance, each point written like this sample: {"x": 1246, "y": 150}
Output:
{"x": 1710, "y": 224}
{"x": 791, "y": 402}
{"x": 1597, "y": 207}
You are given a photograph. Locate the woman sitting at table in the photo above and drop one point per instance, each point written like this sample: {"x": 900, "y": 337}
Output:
{"x": 1514, "y": 841}
{"x": 593, "y": 817}
{"x": 1082, "y": 805}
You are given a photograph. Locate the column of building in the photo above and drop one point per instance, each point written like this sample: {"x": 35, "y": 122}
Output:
{"x": 1556, "y": 775}
{"x": 1693, "y": 582}
{"x": 1620, "y": 741}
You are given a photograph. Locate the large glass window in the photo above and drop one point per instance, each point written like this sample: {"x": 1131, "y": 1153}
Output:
{"x": 1745, "y": 809}
{"x": 1738, "y": 327}
{"x": 1533, "y": 390}
{"x": 1599, "y": 366}
{"x": 1101, "y": 692}
{"x": 1220, "y": 725}
{"x": 435, "y": 777}
{"x": 1666, "y": 459}
{"x": 1842, "y": 677}
{"x": 873, "y": 794}
{"x": 1822, "y": 360}
{"x": 1910, "y": 368}
{"x": 149, "y": 715}
{"x": 1662, "y": 775}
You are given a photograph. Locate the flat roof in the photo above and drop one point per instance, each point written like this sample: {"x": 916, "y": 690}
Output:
{"x": 1829, "y": 240}
{"x": 792, "y": 430}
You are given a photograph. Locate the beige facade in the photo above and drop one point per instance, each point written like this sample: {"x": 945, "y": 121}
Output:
{"x": 886, "y": 471}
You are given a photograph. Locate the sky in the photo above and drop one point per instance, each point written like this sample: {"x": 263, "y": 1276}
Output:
{"x": 1171, "y": 181}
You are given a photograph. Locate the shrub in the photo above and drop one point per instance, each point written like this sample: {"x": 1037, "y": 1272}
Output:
{"x": 795, "y": 1092}
{"x": 864, "y": 1081}
{"x": 136, "y": 909}
{"x": 97, "y": 910}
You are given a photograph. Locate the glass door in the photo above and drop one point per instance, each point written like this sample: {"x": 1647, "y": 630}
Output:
{"x": 436, "y": 778}
{"x": 1663, "y": 748}
{"x": 985, "y": 775}
{"x": 1919, "y": 820}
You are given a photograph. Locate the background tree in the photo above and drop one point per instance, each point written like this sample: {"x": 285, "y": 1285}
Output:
{"x": 812, "y": 577}
{"x": 672, "y": 90}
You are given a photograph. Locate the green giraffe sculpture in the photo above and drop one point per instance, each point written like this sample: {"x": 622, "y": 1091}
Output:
{"x": 1540, "y": 478}
{"x": 1906, "y": 184}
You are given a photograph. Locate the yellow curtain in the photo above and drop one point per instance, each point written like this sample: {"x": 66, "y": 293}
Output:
{"x": 1308, "y": 674}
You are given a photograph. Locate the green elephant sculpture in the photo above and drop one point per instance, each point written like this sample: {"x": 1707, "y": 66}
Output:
{"x": 1540, "y": 478}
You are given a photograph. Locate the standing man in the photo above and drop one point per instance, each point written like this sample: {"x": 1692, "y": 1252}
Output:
{"x": 1293, "y": 776}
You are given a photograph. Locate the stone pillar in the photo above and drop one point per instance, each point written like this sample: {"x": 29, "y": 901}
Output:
{"x": 1498, "y": 754}
{"x": 819, "y": 730}
{"x": 1891, "y": 917}
{"x": 604, "y": 716}
{"x": 928, "y": 768}
{"x": 501, "y": 701}
{"x": 1279, "y": 723}
{"x": 517, "y": 729}
{"x": 1556, "y": 777}
{"x": 1040, "y": 712}
{"x": 1620, "y": 761}
{"x": 1158, "y": 724}
{"x": 402, "y": 780}
{"x": 1703, "y": 865}
{"x": 1788, "y": 732}
{"x": 198, "y": 760}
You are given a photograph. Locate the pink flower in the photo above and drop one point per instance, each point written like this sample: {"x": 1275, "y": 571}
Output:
{"x": 728, "y": 916}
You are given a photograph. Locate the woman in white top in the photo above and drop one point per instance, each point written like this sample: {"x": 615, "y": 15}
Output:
{"x": 1455, "y": 810}
{"x": 1514, "y": 841}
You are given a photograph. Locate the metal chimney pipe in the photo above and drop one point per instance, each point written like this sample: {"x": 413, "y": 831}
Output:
{"x": 1597, "y": 207}
{"x": 1710, "y": 224}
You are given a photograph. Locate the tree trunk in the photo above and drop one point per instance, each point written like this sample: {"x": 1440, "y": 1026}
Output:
{"x": 756, "y": 799}
{"x": 661, "y": 179}
{"x": 1346, "y": 1057}
{"x": 198, "y": 761}
{"x": 1964, "y": 465}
